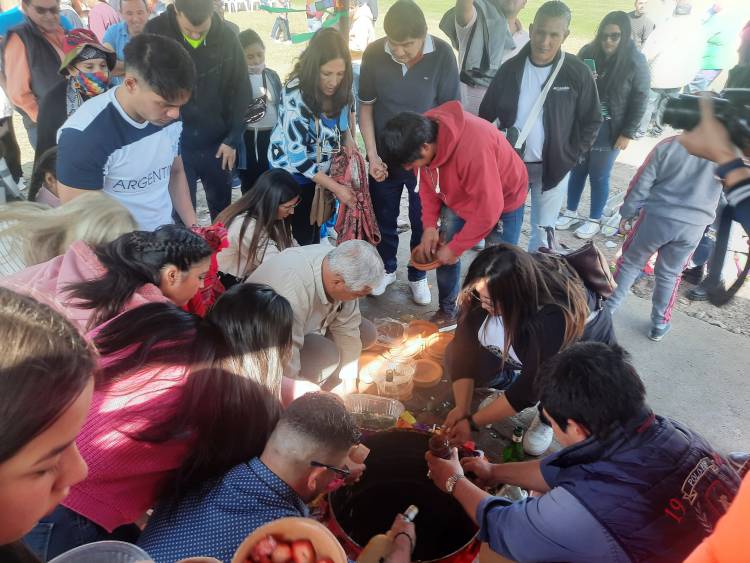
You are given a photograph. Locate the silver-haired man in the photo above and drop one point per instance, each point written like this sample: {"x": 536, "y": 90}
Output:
{"x": 323, "y": 285}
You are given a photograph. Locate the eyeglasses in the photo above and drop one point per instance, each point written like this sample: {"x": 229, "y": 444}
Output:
{"x": 51, "y": 11}
{"x": 291, "y": 205}
{"x": 614, "y": 37}
{"x": 343, "y": 471}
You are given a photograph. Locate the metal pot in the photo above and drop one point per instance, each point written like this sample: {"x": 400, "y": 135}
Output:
{"x": 396, "y": 477}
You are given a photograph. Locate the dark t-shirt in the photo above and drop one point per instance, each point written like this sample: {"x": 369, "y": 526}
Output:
{"x": 429, "y": 83}
{"x": 641, "y": 27}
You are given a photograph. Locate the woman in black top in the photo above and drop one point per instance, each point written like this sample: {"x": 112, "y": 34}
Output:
{"x": 86, "y": 69}
{"x": 622, "y": 78}
{"x": 517, "y": 311}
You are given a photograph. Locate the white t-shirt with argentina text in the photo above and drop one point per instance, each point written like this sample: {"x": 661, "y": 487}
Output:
{"x": 100, "y": 147}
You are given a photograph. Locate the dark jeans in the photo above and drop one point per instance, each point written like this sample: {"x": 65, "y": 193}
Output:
{"x": 386, "y": 202}
{"x": 280, "y": 30}
{"x": 30, "y": 131}
{"x": 11, "y": 152}
{"x": 304, "y": 233}
{"x": 508, "y": 229}
{"x": 256, "y": 165}
{"x": 597, "y": 165}
{"x": 657, "y": 101}
{"x": 64, "y": 530}
{"x": 217, "y": 183}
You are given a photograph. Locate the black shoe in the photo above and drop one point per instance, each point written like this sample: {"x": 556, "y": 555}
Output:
{"x": 693, "y": 275}
{"x": 446, "y": 322}
{"x": 698, "y": 293}
{"x": 655, "y": 132}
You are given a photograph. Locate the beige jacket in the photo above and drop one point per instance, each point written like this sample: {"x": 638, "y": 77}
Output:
{"x": 296, "y": 273}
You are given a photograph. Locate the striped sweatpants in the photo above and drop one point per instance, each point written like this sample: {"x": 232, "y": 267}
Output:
{"x": 674, "y": 241}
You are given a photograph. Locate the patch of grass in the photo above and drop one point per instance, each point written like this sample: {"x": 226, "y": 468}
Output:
{"x": 586, "y": 17}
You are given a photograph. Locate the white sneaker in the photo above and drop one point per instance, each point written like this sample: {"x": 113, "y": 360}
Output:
{"x": 420, "y": 292}
{"x": 479, "y": 246}
{"x": 537, "y": 438}
{"x": 587, "y": 230}
{"x": 387, "y": 280}
{"x": 566, "y": 220}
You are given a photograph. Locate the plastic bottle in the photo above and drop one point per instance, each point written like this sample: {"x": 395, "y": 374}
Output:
{"x": 514, "y": 450}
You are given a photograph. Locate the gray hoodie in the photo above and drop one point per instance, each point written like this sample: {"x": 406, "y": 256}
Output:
{"x": 673, "y": 184}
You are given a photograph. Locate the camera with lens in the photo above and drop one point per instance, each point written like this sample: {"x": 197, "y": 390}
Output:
{"x": 731, "y": 108}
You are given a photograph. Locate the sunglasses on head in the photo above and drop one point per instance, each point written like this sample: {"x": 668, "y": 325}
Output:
{"x": 611, "y": 36}
{"x": 41, "y": 11}
{"x": 343, "y": 471}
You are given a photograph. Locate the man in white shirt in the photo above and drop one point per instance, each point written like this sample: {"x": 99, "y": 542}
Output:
{"x": 126, "y": 142}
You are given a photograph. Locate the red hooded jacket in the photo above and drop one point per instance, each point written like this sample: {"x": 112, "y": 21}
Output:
{"x": 475, "y": 173}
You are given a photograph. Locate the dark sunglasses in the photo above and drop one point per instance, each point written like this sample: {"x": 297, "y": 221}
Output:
{"x": 41, "y": 11}
{"x": 343, "y": 471}
{"x": 611, "y": 36}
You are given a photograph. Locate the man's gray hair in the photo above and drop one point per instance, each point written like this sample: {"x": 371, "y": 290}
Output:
{"x": 358, "y": 262}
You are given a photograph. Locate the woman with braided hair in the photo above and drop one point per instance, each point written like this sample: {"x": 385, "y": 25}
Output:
{"x": 93, "y": 284}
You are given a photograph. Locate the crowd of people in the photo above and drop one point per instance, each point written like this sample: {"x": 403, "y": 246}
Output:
{"x": 195, "y": 371}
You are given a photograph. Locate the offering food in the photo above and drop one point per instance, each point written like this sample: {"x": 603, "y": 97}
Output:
{"x": 274, "y": 549}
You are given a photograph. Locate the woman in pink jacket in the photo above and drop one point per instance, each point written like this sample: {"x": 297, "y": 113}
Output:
{"x": 93, "y": 284}
{"x": 179, "y": 400}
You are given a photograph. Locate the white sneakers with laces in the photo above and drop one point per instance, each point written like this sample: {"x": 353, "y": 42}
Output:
{"x": 588, "y": 230}
{"x": 387, "y": 280}
{"x": 566, "y": 220}
{"x": 420, "y": 292}
{"x": 537, "y": 438}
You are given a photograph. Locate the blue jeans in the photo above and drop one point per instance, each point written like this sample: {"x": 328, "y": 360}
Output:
{"x": 597, "y": 165}
{"x": 508, "y": 229}
{"x": 64, "y": 530}
{"x": 545, "y": 205}
{"x": 217, "y": 183}
{"x": 386, "y": 203}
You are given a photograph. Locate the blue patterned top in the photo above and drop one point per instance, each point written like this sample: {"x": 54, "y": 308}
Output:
{"x": 296, "y": 137}
{"x": 215, "y": 521}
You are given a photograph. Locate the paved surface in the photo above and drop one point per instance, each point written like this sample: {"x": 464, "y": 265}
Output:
{"x": 698, "y": 374}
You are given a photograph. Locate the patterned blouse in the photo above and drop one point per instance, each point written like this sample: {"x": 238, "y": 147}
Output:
{"x": 298, "y": 135}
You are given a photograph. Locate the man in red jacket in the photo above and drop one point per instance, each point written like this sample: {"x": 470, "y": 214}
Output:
{"x": 471, "y": 179}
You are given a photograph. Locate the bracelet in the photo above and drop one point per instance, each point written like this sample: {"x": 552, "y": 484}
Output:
{"x": 408, "y": 537}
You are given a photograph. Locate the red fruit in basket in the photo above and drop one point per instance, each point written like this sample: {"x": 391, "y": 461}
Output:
{"x": 261, "y": 551}
{"x": 282, "y": 553}
{"x": 303, "y": 551}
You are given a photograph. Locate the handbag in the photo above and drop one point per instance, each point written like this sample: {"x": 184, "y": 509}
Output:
{"x": 324, "y": 202}
{"x": 589, "y": 263}
{"x": 256, "y": 110}
{"x": 516, "y": 138}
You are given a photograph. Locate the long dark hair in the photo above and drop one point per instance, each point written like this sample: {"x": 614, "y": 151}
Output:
{"x": 230, "y": 401}
{"x": 44, "y": 367}
{"x": 520, "y": 284}
{"x": 611, "y": 71}
{"x": 261, "y": 203}
{"x": 47, "y": 162}
{"x": 326, "y": 45}
{"x": 134, "y": 260}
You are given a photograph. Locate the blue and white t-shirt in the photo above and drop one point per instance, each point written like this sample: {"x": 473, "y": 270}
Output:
{"x": 100, "y": 147}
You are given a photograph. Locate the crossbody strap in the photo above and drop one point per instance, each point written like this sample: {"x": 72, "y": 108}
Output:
{"x": 537, "y": 108}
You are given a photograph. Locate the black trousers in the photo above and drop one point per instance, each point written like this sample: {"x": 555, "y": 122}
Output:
{"x": 255, "y": 166}
{"x": 11, "y": 152}
{"x": 217, "y": 183}
{"x": 305, "y": 233}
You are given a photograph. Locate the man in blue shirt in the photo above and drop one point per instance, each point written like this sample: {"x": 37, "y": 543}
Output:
{"x": 306, "y": 455}
{"x": 628, "y": 485}
{"x": 134, "y": 15}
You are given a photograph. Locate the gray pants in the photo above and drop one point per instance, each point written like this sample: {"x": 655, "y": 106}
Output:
{"x": 320, "y": 357}
{"x": 675, "y": 242}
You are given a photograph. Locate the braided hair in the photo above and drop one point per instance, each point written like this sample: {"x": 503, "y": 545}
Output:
{"x": 134, "y": 260}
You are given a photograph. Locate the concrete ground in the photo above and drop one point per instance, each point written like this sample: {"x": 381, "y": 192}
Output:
{"x": 697, "y": 374}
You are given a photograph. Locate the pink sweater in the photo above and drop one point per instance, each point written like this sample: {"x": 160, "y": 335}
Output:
{"x": 125, "y": 475}
{"x": 47, "y": 282}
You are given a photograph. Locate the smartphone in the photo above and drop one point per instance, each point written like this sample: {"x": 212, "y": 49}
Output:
{"x": 591, "y": 63}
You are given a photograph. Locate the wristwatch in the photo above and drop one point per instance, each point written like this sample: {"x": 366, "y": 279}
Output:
{"x": 472, "y": 425}
{"x": 724, "y": 169}
{"x": 451, "y": 482}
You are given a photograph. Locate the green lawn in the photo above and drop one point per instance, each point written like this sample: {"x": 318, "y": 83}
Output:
{"x": 586, "y": 16}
